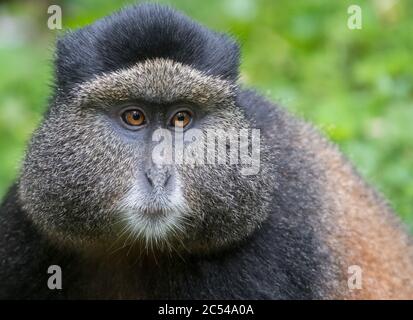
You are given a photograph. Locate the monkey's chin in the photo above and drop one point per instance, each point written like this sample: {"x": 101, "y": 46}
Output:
{"x": 154, "y": 228}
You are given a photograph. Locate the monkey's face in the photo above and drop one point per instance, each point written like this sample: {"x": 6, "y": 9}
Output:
{"x": 155, "y": 155}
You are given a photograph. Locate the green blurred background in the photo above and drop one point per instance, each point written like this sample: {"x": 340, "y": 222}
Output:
{"x": 355, "y": 85}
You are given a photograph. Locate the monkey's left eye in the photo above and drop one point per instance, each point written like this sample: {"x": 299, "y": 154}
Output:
{"x": 181, "y": 119}
{"x": 133, "y": 117}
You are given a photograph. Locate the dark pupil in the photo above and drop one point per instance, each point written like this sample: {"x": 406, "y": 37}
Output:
{"x": 136, "y": 115}
{"x": 181, "y": 117}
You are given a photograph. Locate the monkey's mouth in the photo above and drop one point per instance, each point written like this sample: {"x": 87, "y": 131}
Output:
{"x": 155, "y": 213}
{"x": 153, "y": 225}
{"x": 152, "y": 215}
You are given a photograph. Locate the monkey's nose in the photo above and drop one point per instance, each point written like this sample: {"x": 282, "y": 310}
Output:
{"x": 158, "y": 176}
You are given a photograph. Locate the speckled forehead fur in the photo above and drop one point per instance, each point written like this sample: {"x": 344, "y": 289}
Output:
{"x": 156, "y": 80}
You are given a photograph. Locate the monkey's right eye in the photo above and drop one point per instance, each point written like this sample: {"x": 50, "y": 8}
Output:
{"x": 134, "y": 118}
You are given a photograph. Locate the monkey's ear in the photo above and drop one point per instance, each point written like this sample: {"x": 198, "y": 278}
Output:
{"x": 138, "y": 33}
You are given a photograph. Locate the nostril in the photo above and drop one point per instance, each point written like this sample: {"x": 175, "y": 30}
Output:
{"x": 158, "y": 177}
{"x": 149, "y": 178}
{"x": 167, "y": 176}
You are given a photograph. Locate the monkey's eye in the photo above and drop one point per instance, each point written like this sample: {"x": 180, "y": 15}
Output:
{"x": 133, "y": 117}
{"x": 181, "y": 119}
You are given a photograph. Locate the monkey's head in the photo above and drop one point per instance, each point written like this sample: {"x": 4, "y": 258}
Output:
{"x": 129, "y": 150}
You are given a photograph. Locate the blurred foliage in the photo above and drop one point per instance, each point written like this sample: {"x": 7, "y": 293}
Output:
{"x": 355, "y": 85}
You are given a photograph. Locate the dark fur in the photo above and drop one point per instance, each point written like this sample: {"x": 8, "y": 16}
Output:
{"x": 138, "y": 33}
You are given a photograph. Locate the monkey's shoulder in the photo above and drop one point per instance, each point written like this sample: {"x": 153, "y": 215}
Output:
{"x": 24, "y": 253}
